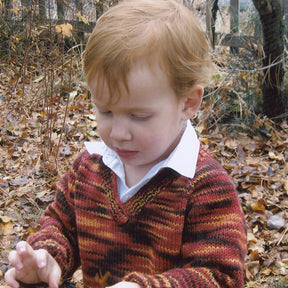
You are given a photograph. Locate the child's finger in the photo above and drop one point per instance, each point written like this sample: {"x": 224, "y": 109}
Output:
{"x": 50, "y": 270}
{"x": 15, "y": 260}
{"x": 27, "y": 256}
{"x": 10, "y": 278}
{"x": 54, "y": 279}
{"x": 56, "y": 273}
{"x": 24, "y": 249}
{"x": 41, "y": 257}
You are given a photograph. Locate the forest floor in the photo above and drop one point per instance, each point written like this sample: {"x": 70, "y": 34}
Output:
{"x": 41, "y": 135}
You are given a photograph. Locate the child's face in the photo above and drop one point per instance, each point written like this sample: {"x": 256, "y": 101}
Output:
{"x": 145, "y": 126}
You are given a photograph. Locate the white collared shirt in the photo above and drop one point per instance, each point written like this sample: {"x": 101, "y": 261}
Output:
{"x": 183, "y": 159}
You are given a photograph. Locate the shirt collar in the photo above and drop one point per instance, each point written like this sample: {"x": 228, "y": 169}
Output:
{"x": 183, "y": 159}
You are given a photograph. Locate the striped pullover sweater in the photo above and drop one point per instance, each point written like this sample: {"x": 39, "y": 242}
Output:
{"x": 175, "y": 232}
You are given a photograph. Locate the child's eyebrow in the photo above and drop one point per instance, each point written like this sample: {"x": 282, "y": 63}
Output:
{"x": 139, "y": 109}
{"x": 127, "y": 109}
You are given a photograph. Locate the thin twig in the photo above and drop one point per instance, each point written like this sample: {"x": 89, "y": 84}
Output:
{"x": 282, "y": 236}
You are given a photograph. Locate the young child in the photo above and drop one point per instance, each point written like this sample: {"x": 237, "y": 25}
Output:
{"x": 147, "y": 206}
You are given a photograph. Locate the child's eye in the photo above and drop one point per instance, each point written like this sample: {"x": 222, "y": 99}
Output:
{"x": 140, "y": 116}
{"x": 104, "y": 112}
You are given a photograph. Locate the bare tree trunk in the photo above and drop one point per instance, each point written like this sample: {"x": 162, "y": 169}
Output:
{"x": 7, "y": 9}
{"x": 271, "y": 16}
{"x": 99, "y": 8}
{"x": 234, "y": 21}
{"x": 26, "y": 4}
{"x": 42, "y": 11}
{"x": 60, "y": 9}
{"x": 80, "y": 34}
{"x": 211, "y": 15}
{"x": 285, "y": 8}
{"x": 215, "y": 9}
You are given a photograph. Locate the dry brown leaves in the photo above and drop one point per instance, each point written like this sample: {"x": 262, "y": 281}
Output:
{"x": 258, "y": 164}
{"x": 37, "y": 146}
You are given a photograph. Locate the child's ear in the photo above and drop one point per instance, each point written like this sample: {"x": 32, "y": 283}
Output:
{"x": 192, "y": 102}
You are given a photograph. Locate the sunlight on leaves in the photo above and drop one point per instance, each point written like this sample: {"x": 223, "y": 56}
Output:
{"x": 64, "y": 29}
{"x": 6, "y": 226}
{"x": 82, "y": 18}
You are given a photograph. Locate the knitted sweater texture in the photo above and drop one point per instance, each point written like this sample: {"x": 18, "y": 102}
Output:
{"x": 175, "y": 232}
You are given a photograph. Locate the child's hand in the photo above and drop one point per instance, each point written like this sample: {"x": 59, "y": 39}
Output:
{"x": 125, "y": 284}
{"x": 32, "y": 266}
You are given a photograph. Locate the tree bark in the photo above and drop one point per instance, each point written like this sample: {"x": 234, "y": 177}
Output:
{"x": 214, "y": 11}
{"x": 271, "y": 16}
{"x": 234, "y": 21}
{"x": 6, "y": 11}
{"x": 60, "y": 9}
{"x": 42, "y": 11}
{"x": 26, "y": 7}
{"x": 99, "y": 8}
{"x": 79, "y": 34}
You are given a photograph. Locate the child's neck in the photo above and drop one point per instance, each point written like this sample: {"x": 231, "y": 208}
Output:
{"x": 133, "y": 175}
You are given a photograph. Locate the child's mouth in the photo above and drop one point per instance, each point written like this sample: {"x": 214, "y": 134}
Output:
{"x": 125, "y": 153}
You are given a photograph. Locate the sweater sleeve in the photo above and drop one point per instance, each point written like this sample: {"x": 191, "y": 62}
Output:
{"x": 58, "y": 228}
{"x": 214, "y": 236}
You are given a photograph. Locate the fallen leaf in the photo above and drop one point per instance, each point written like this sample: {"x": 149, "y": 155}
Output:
{"x": 231, "y": 144}
{"x": 6, "y": 226}
{"x": 286, "y": 185}
{"x": 266, "y": 271}
{"x": 65, "y": 150}
{"x": 276, "y": 222}
{"x": 258, "y": 207}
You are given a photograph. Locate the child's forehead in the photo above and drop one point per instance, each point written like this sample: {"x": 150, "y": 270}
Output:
{"x": 143, "y": 70}
{"x": 149, "y": 67}
{"x": 142, "y": 79}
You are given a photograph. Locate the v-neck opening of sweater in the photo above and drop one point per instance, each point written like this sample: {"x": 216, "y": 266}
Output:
{"x": 122, "y": 212}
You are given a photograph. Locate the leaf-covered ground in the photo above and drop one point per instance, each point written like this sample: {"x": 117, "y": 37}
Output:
{"x": 40, "y": 136}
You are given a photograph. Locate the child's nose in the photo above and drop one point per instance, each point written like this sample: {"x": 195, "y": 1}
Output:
{"x": 120, "y": 131}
